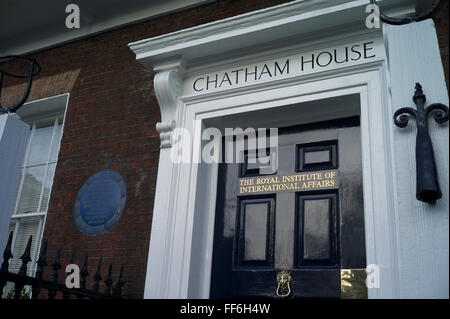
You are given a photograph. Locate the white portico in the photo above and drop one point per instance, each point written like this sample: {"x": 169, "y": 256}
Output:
{"x": 265, "y": 69}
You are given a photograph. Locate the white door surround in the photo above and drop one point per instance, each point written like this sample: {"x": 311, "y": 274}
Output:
{"x": 180, "y": 252}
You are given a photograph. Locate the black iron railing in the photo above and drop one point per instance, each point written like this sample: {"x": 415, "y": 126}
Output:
{"x": 37, "y": 283}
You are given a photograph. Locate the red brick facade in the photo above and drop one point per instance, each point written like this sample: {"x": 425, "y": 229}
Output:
{"x": 110, "y": 124}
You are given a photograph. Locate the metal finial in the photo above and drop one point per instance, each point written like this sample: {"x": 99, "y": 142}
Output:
{"x": 26, "y": 257}
{"x": 41, "y": 263}
{"x": 418, "y": 93}
{"x": 98, "y": 275}
{"x": 108, "y": 281}
{"x": 7, "y": 254}
{"x": 56, "y": 265}
{"x": 84, "y": 273}
{"x": 72, "y": 256}
{"x": 23, "y": 269}
{"x": 117, "y": 291}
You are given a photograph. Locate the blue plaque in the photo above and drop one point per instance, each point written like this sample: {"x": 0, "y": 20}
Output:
{"x": 100, "y": 202}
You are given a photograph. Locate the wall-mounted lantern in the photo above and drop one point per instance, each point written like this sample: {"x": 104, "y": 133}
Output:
{"x": 31, "y": 73}
{"x": 423, "y": 10}
{"x": 428, "y": 189}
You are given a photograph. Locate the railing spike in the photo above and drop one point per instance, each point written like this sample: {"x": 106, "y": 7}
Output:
{"x": 98, "y": 275}
{"x": 56, "y": 265}
{"x": 119, "y": 284}
{"x": 7, "y": 255}
{"x": 26, "y": 257}
{"x": 84, "y": 273}
{"x": 41, "y": 263}
{"x": 23, "y": 268}
{"x": 72, "y": 256}
{"x": 108, "y": 281}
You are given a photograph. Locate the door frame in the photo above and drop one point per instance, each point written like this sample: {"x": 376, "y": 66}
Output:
{"x": 194, "y": 195}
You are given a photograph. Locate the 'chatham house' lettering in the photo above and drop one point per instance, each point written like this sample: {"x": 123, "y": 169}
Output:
{"x": 281, "y": 68}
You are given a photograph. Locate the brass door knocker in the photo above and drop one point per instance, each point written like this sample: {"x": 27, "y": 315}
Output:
{"x": 284, "y": 289}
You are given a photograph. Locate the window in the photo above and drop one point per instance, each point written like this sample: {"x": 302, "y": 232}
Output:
{"x": 37, "y": 172}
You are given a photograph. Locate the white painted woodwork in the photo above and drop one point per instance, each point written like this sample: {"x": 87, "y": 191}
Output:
{"x": 408, "y": 240}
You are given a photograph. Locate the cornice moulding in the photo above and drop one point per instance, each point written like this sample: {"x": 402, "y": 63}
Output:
{"x": 251, "y": 30}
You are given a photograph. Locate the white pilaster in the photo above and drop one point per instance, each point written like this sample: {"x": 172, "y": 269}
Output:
{"x": 167, "y": 84}
{"x": 422, "y": 229}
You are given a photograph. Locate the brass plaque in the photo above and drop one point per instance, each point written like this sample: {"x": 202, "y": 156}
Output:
{"x": 295, "y": 182}
{"x": 353, "y": 284}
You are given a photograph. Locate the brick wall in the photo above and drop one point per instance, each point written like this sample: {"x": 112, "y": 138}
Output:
{"x": 110, "y": 124}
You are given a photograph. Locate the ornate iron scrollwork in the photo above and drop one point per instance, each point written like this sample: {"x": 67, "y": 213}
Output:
{"x": 31, "y": 73}
{"x": 428, "y": 189}
{"x": 413, "y": 18}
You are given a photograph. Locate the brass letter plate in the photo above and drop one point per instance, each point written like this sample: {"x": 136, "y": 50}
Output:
{"x": 353, "y": 284}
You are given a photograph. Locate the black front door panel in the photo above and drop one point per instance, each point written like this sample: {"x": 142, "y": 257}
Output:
{"x": 306, "y": 218}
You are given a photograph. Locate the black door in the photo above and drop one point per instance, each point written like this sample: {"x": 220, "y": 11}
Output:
{"x": 300, "y": 225}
